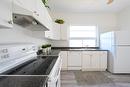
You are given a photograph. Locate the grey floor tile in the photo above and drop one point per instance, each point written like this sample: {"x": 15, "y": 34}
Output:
{"x": 93, "y": 79}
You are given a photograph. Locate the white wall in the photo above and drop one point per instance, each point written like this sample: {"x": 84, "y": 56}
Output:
{"x": 21, "y": 35}
{"x": 124, "y": 19}
{"x": 104, "y": 21}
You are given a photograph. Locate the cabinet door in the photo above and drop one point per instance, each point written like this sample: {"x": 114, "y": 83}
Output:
{"x": 103, "y": 60}
{"x": 43, "y": 14}
{"x": 64, "y": 31}
{"x": 49, "y": 20}
{"x": 49, "y": 34}
{"x": 95, "y": 60}
{"x": 6, "y": 13}
{"x": 27, "y": 4}
{"x": 86, "y": 61}
{"x": 64, "y": 57}
{"x": 34, "y": 8}
{"x": 40, "y": 11}
{"x": 74, "y": 59}
{"x": 56, "y": 31}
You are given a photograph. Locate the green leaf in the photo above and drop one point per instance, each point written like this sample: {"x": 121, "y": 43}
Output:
{"x": 59, "y": 21}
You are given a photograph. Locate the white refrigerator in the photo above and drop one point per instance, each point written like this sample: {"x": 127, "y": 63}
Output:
{"x": 118, "y": 44}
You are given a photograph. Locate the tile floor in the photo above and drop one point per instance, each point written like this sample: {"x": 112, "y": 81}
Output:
{"x": 93, "y": 79}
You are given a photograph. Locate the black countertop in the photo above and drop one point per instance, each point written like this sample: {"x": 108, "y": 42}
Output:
{"x": 78, "y": 49}
{"x": 56, "y": 50}
{"x": 83, "y": 50}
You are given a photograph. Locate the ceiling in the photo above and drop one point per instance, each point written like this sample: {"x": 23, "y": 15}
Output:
{"x": 83, "y": 6}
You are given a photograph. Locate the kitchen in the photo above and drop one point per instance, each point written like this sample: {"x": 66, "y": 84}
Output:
{"x": 88, "y": 40}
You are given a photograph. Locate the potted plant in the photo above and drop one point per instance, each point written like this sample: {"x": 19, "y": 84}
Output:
{"x": 45, "y": 2}
{"x": 59, "y": 21}
{"x": 44, "y": 49}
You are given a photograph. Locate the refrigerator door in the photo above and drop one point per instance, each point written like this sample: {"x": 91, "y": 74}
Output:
{"x": 122, "y": 38}
{"x": 122, "y": 59}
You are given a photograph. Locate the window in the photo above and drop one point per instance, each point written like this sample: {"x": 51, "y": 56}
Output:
{"x": 83, "y": 36}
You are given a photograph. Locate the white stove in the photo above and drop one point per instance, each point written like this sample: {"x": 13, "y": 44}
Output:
{"x": 12, "y": 55}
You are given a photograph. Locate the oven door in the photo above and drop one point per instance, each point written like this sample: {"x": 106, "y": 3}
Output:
{"x": 54, "y": 77}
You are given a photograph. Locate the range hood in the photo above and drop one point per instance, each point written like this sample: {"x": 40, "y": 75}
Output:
{"x": 26, "y": 18}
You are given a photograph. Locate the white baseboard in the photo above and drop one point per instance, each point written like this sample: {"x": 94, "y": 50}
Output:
{"x": 74, "y": 68}
{"x": 64, "y": 68}
{"x": 94, "y": 69}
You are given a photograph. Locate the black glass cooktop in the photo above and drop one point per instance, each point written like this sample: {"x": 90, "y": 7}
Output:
{"x": 33, "y": 73}
{"x": 40, "y": 66}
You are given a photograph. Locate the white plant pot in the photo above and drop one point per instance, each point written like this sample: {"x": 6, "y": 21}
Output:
{"x": 48, "y": 50}
{"x": 44, "y": 50}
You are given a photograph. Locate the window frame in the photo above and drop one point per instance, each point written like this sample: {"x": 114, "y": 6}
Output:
{"x": 86, "y": 38}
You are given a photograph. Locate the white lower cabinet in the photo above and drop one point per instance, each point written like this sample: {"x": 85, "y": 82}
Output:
{"x": 84, "y": 60}
{"x": 74, "y": 60}
{"x": 94, "y": 60}
{"x": 64, "y": 56}
{"x": 103, "y": 58}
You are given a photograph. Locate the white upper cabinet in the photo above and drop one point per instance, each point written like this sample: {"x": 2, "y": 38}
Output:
{"x": 64, "y": 31}
{"x": 6, "y": 14}
{"x": 25, "y": 7}
{"x": 43, "y": 14}
{"x": 53, "y": 33}
{"x": 58, "y": 32}
{"x": 49, "y": 34}
{"x": 35, "y": 9}
{"x": 29, "y": 5}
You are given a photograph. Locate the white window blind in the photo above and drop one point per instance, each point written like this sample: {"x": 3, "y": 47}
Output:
{"x": 83, "y": 36}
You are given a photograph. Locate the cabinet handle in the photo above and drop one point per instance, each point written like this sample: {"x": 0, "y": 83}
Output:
{"x": 35, "y": 12}
{"x": 10, "y": 22}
